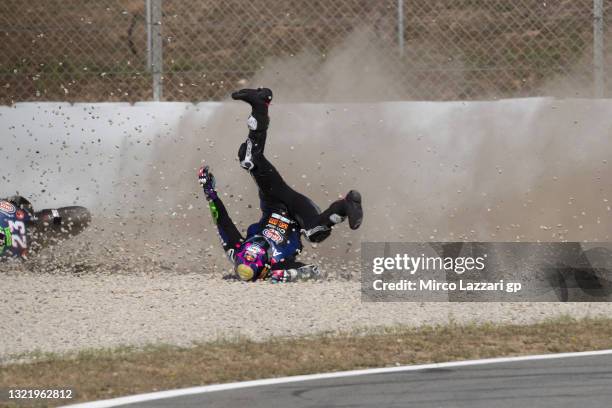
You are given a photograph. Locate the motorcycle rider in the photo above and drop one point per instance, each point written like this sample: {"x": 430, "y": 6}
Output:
{"x": 272, "y": 244}
{"x": 22, "y": 229}
{"x": 15, "y": 215}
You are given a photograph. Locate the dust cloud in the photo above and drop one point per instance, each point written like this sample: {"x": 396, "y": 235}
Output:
{"x": 526, "y": 170}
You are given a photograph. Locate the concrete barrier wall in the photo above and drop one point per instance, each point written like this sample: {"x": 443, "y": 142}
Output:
{"x": 427, "y": 170}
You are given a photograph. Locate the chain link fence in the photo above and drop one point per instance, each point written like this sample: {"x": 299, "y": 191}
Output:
{"x": 175, "y": 50}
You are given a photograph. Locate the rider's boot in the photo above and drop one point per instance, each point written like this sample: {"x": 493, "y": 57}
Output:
{"x": 258, "y": 122}
{"x": 260, "y": 100}
{"x": 354, "y": 211}
{"x": 348, "y": 207}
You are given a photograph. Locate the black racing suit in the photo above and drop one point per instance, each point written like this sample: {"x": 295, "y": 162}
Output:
{"x": 276, "y": 196}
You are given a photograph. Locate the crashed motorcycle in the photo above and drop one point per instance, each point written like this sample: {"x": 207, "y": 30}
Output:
{"x": 24, "y": 231}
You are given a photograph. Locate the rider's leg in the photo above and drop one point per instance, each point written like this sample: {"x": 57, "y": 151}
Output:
{"x": 316, "y": 225}
{"x": 258, "y": 123}
{"x": 251, "y": 152}
{"x": 229, "y": 234}
{"x": 272, "y": 187}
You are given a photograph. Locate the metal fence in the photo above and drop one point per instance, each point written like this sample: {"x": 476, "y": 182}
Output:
{"x": 131, "y": 50}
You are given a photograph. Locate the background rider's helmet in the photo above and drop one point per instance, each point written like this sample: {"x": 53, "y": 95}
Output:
{"x": 22, "y": 203}
{"x": 251, "y": 261}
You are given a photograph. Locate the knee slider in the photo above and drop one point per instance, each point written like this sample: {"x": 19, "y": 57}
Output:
{"x": 245, "y": 155}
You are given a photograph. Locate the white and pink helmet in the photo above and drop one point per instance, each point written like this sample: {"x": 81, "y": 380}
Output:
{"x": 251, "y": 259}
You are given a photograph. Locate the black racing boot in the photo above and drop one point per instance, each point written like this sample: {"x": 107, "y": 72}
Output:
{"x": 347, "y": 207}
{"x": 353, "y": 209}
{"x": 254, "y": 97}
{"x": 259, "y": 99}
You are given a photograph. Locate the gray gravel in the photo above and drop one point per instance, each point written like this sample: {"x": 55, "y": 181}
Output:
{"x": 61, "y": 313}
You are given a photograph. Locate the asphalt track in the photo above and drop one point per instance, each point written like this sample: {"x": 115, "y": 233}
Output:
{"x": 583, "y": 381}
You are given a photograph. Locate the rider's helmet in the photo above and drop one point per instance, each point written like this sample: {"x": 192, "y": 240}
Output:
{"x": 22, "y": 203}
{"x": 251, "y": 260}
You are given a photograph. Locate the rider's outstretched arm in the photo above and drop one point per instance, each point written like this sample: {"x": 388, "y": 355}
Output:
{"x": 229, "y": 234}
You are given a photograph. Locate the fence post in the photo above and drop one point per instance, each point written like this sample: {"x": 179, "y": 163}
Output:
{"x": 598, "y": 49}
{"x": 400, "y": 26}
{"x": 154, "y": 45}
